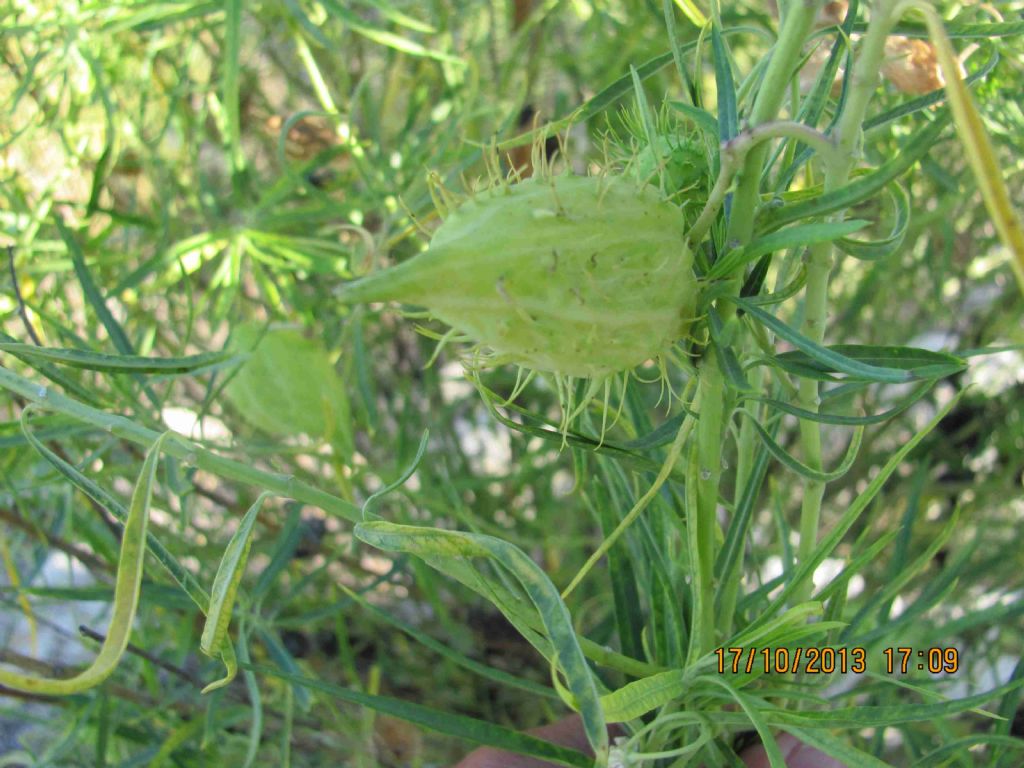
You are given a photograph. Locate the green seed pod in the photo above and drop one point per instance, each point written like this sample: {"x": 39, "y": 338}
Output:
{"x": 680, "y": 161}
{"x": 288, "y": 385}
{"x": 575, "y": 276}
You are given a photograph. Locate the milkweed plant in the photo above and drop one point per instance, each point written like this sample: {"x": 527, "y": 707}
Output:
{"x": 625, "y": 413}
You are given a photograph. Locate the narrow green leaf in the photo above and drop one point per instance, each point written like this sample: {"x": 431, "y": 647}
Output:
{"x": 730, "y": 556}
{"x": 444, "y": 649}
{"x": 786, "y": 292}
{"x": 362, "y": 367}
{"x": 938, "y": 756}
{"x": 703, "y": 119}
{"x": 225, "y": 589}
{"x": 728, "y": 117}
{"x": 827, "y": 359}
{"x": 861, "y": 188}
{"x": 92, "y": 292}
{"x": 389, "y": 12}
{"x": 597, "y": 103}
{"x": 277, "y": 652}
{"x": 95, "y": 361}
{"x": 919, "y": 364}
{"x": 372, "y": 499}
{"x": 964, "y": 30}
{"x": 831, "y": 540}
{"x": 383, "y": 37}
{"x": 230, "y": 84}
{"x": 626, "y": 454}
{"x": 99, "y": 302}
{"x": 180, "y": 448}
{"x": 838, "y": 749}
{"x": 725, "y": 355}
{"x": 791, "y": 237}
{"x": 281, "y": 553}
{"x": 636, "y": 699}
{"x": 253, "y": 689}
{"x": 873, "y": 250}
{"x": 311, "y": 29}
{"x": 802, "y": 469}
{"x": 750, "y": 705}
{"x": 851, "y": 421}
{"x": 865, "y": 716}
{"x": 896, "y": 582}
{"x": 56, "y": 375}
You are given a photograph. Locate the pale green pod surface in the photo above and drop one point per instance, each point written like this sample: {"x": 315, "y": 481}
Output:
{"x": 288, "y": 385}
{"x": 578, "y": 276}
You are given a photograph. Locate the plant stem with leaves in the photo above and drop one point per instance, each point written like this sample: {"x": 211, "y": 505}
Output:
{"x": 837, "y": 167}
{"x": 713, "y": 417}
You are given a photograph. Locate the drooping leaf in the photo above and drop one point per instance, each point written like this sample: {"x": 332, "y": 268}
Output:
{"x": 554, "y": 615}
{"x": 126, "y": 596}
{"x": 222, "y": 595}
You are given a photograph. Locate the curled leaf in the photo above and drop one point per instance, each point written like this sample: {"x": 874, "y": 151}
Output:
{"x": 126, "y": 596}
{"x": 222, "y": 596}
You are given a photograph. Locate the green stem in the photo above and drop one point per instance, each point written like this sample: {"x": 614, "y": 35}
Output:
{"x": 848, "y": 138}
{"x": 709, "y": 466}
{"x": 179, "y": 447}
{"x": 784, "y": 58}
{"x": 795, "y": 28}
{"x": 600, "y": 654}
{"x": 734, "y": 152}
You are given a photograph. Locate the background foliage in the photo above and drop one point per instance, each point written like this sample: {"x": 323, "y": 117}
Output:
{"x": 172, "y": 171}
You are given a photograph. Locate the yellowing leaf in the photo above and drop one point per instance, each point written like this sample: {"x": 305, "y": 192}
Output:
{"x": 126, "y": 596}
{"x": 980, "y": 153}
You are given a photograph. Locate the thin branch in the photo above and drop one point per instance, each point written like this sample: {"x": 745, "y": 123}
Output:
{"x": 155, "y": 660}
{"x": 87, "y": 558}
{"x": 22, "y": 310}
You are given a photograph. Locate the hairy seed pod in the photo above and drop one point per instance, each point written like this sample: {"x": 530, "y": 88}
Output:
{"x": 571, "y": 275}
{"x": 679, "y": 161}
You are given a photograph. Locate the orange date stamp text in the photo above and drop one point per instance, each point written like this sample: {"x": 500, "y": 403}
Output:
{"x": 828, "y": 660}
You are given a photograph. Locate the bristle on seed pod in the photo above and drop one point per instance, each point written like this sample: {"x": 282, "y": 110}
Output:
{"x": 579, "y": 277}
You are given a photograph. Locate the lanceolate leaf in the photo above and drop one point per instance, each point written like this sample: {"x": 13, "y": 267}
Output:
{"x": 791, "y": 237}
{"x": 56, "y": 376}
{"x": 728, "y": 120}
{"x": 919, "y": 364}
{"x": 851, "y": 421}
{"x": 642, "y": 696}
{"x": 862, "y": 716}
{"x": 873, "y": 250}
{"x": 823, "y": 360}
